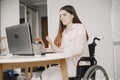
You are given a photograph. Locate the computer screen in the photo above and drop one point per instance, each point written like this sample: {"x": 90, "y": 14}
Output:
{"x": 19, "y": 39}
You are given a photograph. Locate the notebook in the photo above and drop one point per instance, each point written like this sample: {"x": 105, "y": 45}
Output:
{"x": 19, "y": 39}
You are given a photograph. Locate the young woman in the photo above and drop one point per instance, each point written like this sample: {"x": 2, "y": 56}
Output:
{"x": 71, "y": 39}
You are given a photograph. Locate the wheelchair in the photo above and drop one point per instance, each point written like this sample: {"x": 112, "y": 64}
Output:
{"x": 92, "y": 71}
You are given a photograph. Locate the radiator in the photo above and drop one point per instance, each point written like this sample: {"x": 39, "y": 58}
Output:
{"x": 117, "y": 59}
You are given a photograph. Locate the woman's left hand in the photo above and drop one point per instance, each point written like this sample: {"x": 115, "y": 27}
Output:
{"x": 49, "y": 40}
{"x": 40, "y": 40}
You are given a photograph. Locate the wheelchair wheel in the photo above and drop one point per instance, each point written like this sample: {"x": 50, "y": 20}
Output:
{"x": 96, "y": 72}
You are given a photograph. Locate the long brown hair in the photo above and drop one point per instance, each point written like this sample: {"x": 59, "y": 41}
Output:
{"x": 72, "y": 11}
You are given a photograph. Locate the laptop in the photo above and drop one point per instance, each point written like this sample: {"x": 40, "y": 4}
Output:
{"x": 19, "y": 39}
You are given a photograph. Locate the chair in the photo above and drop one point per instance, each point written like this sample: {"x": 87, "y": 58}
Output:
{"x": 81, "y": 69}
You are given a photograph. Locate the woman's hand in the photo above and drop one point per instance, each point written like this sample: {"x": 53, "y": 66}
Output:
{"x": 40, "y": 40}
{"x": 49, "y": 40}
{"x": 53, "y": 46}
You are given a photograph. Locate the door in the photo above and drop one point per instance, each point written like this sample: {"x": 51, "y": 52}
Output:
{"x": 45, "y": 30}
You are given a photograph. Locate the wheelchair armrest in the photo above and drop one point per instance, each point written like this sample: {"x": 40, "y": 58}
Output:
{"x": 90, "y": 59}
{"x": 86, "y": 58}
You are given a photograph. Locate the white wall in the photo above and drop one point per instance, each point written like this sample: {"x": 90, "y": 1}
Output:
{"x": 9, "y": 15}
{"x": 96, "y": 16}
{"x": 0, "y": 17}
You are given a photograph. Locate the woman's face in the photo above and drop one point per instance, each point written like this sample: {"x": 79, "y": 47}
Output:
{"x": 65, "y": 17}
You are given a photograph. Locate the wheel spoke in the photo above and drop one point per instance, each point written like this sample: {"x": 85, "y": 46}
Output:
{"x": 96, "y": 73}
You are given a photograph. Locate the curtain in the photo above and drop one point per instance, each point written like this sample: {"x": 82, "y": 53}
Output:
{"x": 115, "y": 19}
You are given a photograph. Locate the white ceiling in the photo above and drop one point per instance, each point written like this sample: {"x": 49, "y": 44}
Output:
{"x": 38, "y": 2}
{"x": 35, "y": 3}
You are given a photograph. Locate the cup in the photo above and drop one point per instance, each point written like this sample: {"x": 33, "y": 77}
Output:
{"x": 37, "y": 48}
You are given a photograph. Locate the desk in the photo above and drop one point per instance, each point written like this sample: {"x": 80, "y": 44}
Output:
{"x": 32, "y": 61}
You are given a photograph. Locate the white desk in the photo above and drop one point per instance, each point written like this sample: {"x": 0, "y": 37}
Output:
{"x": 31, "y": 61}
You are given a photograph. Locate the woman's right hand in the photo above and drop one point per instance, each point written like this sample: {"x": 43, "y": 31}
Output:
{"x": 39, "y": 39}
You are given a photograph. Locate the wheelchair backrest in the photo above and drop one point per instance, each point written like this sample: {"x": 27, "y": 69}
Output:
{"x": 92, "y": 47}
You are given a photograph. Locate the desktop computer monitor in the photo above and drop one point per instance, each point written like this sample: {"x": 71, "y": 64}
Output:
{"x": 19, "y": 39}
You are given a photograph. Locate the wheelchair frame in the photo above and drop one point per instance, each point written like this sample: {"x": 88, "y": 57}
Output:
{"x": 84, "y": 71}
